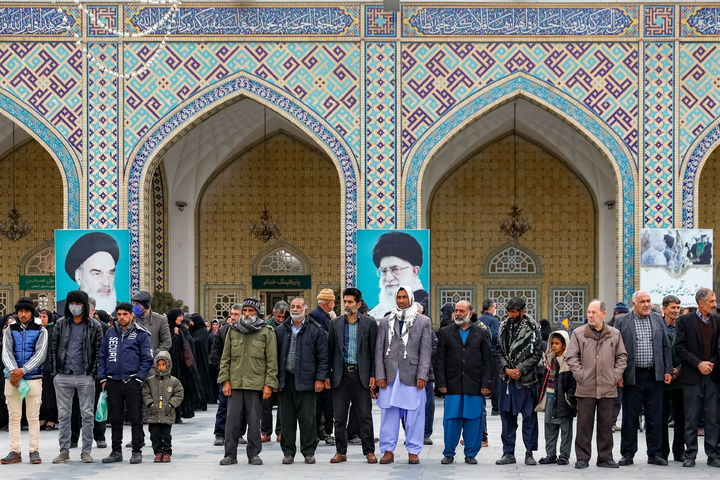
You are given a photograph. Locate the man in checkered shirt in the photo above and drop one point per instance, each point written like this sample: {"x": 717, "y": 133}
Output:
{"x": 649, "y": 367}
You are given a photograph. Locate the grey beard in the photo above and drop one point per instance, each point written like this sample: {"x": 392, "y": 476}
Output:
{"x": 461, "y": 320}
{"x": 248, "y": 320}
{"x": 297, "y": 316}
{"x": 350, "y": 311}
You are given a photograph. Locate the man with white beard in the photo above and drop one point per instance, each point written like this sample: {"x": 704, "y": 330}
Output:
{"x": 462, "y": 372}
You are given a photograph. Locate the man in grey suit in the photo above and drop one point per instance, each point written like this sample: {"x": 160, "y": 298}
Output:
{"x": 648, "y": 365}
{"x": 351, "y": 348}
{"x": 403, "y": 352}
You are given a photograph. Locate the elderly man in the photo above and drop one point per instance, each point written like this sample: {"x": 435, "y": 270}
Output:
{"x": 398, "y": 257}
{"x": 403, "y": 353}
{"x": 24, "y": 349}
{"x": 248, "y": 373}
{"x": 519, "y": 350}
{"x": 463, "y": 369}
{"x": 302, "y": 371}
{"x": 697, "y": 347}
{"x": 323, "y": 314}
{"x": 216, "y": 351}
{"x": 648, "y": 365}
{"x": 281, "y": 311}
{"x": 597, "y": 358}
{"x": 673, "y": 394}
{"x": 91, "y": 263}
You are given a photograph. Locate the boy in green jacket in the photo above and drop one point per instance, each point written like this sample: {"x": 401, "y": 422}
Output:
{"x": 162, "y": 394}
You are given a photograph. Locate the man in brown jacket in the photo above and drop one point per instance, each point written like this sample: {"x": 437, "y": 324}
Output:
{"x": 597, "y": 358}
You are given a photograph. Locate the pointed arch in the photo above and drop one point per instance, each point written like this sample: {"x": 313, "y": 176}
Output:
{"x": 527, "y": 262}
{"x": 691, "y": 167}
{"x": 286, "y": 247}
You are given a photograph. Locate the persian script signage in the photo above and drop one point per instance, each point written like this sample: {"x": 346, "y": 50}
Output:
{"x": 281, "y": 282}
{"x": 37, "y": 282}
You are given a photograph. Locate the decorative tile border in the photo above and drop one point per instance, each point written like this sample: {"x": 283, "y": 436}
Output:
{"x": 699, "y": 21}
{"x": 39, "y": 21}
{"x": 659, "y": 20}
{"x": 379, "y": 23}
{"x": 703, "y": 148}
{"x": 108, "y": 14}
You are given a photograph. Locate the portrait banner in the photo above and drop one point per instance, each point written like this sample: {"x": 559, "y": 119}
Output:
{"x": 388, "y": 259}
{"x": 675, "y": 262}
{"x": 94, "y": 261}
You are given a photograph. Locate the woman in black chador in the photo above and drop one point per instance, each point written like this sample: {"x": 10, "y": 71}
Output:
{"x": 184, "y": 367}
{"x": 199, "y": 332}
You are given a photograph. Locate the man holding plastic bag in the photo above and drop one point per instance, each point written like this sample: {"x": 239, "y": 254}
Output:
{"x": 24, "y": 347}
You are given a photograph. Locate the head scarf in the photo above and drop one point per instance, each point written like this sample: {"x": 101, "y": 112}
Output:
{"x": 406, "y": 316}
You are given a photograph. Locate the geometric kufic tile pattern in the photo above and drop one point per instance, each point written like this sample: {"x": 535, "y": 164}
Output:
{"x": 658, "y": 121}
{"x": 659, "y": 21}
{"x": 325, "y": 77}
{"x": 699, "y": 77}
{"x": 109, "y": 16}
{"x": 379, "y": 23}
{"x": 602, "y": 76}
{"x": 158, "y": 193}
{"x": 380, "y": 131}
{"x": 102, "y": 154}
{"x": 48, "y": 78}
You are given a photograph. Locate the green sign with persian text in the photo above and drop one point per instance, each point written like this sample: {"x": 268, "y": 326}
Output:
{"x": 281, "y": 282}
{"x": 37, "y": 282}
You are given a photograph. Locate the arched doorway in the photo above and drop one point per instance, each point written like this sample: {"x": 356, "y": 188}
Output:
{"x": 708, "y": 207}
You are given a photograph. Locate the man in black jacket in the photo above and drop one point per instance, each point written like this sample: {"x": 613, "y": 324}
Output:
{"x": 302, "y": 371}
{"x": 462, "y": 373}
{"x": 74, "y": 348}
{"x": 351, "y": 351}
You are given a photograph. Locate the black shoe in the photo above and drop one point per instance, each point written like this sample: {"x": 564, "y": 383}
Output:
{"x": 427, "y": 441}
{"x": 581, "y": 464}
{"x": 471, "y": 460}
{"x": 329, "y": 440}
{"x": 136, "y": 457}
{"x": 529, "y": 460}
{"x": 657, "y": 461}
{"x": 310, "y": 459}
{"x": 242, "y": 441}
{"x": 287, "y": 460}
{"x": 35, "y": 458}
{"x": 689, "y": 462}
{"x": 114, "y": 457}
{"x": 547, "y": 460}
{"x": 495, "y": 413}
{"x": 354, "y": 441}
{"x": 255, "y": 460}
{"x": 101, "y": 444}
{"x": 506, "y": 459}
{"x": 127, "y": 445}
{"x": 228, "y": 461}
{"x": 714, "y": 462}
{"x": 447, "y": 460}
{"x": 219, "y": 441}
{"x": 608, "y": 464}
{"x": 679, "y": 458}
{"x": 562, "y": 460}
{"x": 625, "y": 461}
{"x": 73, "y": 444}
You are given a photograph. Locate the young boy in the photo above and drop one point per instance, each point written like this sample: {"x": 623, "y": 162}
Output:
{"x": 162, "y": 393}
{"x": 557, "y": 400}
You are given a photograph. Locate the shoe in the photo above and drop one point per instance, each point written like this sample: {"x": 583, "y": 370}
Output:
{"x": 86, "y": 458}
{"x": 615, "y": 428}
{"x": 471, "y": 460}
{"x": 462, "y": 442}
{"x": 287, "y": 460}
{"x": 35, "y": 458}
{"x": 413, "y": 459}
{"x": 581, "y": 464}
{"x": 338, "y": 458}
{"x": 310, "y": 459}
{"x": 136, "y": 457}
{"x": 166, "y": 458}
{"x": 127, "y": 445}
{"x": 371, "y": 458}
{"x": 73, "y": 444}
{"x": 114, "y": 457}
{"x": 608, "y": 464}
{"x": 447, "y": 460}
{"x": 485, "y": 443}
{"x": 657, "y": 461}
{"x": 495, "y": 413}
{"x": 625, "y": 461}
{"x": 529, "y": 460}
{"x": 679, "y": 458}
{"x": 713, "y": 462}
{"x": 548, "y": 460}
{"x": 427, "y": 441}
{"x": 158, "y": 458}
{"x": 241, "y": 441}
{"x": 255, "y": 460}
{"x": 62, "y": 458}
{"x": 388, "y": 457}
{"x": 219, "y": 441}
{"x": 179, "y": 421}
{"x": 228, "y": 461}
{"x": 329, "y": 440}
{"x": 506, "y": 459}
{"x": 265, "y": 438}
{"x": 354, "y": 441}
{"x": 562, "y": 460}
{"x": 689, "y": 462}
{"x": 321, "y": 436}
{"x": 101, "y": 444}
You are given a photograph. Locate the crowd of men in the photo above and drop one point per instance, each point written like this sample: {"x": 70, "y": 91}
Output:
{"x": 323, "y": 371}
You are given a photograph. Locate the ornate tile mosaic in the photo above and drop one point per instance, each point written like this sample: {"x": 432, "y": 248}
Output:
{"x": 436, "y": 77}
{"x": 39, "y": 21}
{"x": 48, "y": 78}
{"x": 380, "y": 132}
{"x": 341, "y": 21}
{"x": 703, "y": 148}
{"x": 659, "y": 134}
{"x": 699, "y": 21}
{"x": 420, "y": 21}
{"x": 102, "y": 128}
{"x": 378, "y": 22}
{"x": 324, "y": 77}
{"x": 659, "y": 21}
{"x": 108, "y": 14}
{"x": 159, "y": 234}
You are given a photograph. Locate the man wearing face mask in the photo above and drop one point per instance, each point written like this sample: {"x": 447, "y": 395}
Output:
{"x": 462, "y": 373}
{"x": 74, "y": 348}
{"x": 248, "y": 373}
{"x": 153, "y": 322}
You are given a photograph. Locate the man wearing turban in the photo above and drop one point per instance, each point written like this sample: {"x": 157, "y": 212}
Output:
{"x": 91, "y": 263}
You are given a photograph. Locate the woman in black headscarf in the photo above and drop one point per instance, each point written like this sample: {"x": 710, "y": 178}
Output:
{"x": 199, "y": 332}
{"x": 183, "y": 365}
{"x": 48, "y": 409}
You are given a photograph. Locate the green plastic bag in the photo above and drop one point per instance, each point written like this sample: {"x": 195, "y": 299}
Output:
{"x": 101, "y": 413}
{"x": 22, "y": 387}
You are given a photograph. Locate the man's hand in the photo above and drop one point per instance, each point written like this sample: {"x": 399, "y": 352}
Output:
{"x": 381, "y": 383}
{"x": 267, "y": 391}
{"x": 513, "y": 373}
{"x": 327, "y": 384}
{"x": 706, "y": 367}
{"x": 15, "y": 377}
{"x": 620, "y": 382}
{"x": 102, "y": 385}
{"x": 442, "y": 390}
{"x": 227, "y": 389}
{"x": 421, "y": 384}
{"x": 319, "y": 386}
{"x": 668, "y": 378}
{"x": 372, "y": 383}
{"x": 485, "y": 391}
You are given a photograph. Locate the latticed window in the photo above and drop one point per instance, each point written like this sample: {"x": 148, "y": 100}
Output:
{"x": 280, "y": 262}
{"x": 569, "y": 303}
{"x": 512, "y": 260}
{"x": 4, "y": 300}
{"x": 42, "y": 263}
{"x": 503, "y": 296}
{"x": 223, "y": 302}
{"x": 43, "y": 300}
{"x": 448, "y": 295}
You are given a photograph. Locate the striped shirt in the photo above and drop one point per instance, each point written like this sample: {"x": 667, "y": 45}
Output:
{"x": 350, "y": 340}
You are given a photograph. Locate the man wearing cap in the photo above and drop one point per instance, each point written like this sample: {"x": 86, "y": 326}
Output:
{"x": 153, "y": 322}
{"x": 398, "y": 257}
{"x": 91, "y": 263}
{"x": 248, "y": 373}
{"x": 24, "y": 348}
{"x": 323, "y": 314}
